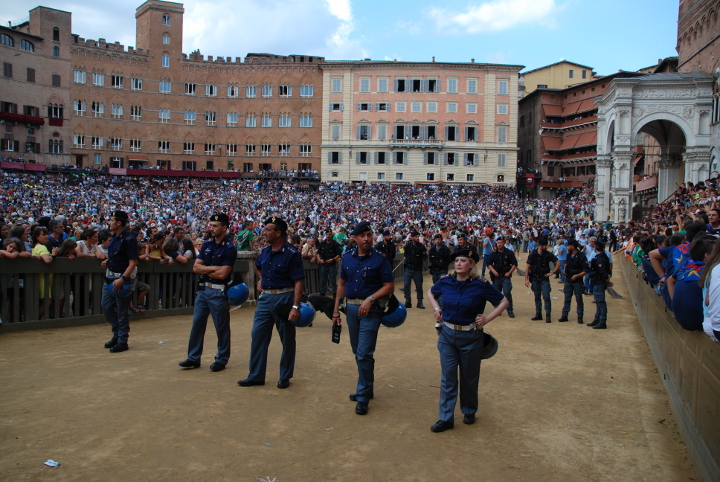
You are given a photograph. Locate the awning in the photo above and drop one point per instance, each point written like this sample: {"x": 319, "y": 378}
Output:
{"x": 551, "y": 143}
{"x": 552, "y": 110}
{"x": 570, "y": 141}
{"x": 587, "y": 139}
{"x": 587, "y": 105}
{"x": 572, "y": 108}
{"x": 137, "y": 157}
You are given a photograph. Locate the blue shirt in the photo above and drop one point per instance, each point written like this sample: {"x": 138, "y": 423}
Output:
{"x": 223, "y": 253}
{"x": 562, "y": 252}
{"x": 462, "y": 301}
{"x": 280, "y": 268}
{"x": 122, "y": 248}
{"x": 366, "y": 274}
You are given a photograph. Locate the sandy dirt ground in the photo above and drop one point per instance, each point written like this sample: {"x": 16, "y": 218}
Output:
{"x": 558, "y": 402}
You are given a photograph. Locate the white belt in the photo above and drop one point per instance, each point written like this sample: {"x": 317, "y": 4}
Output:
{"x": 278, "y": 291}
{"x": 354, "y": 301}
{"x": 112, "y": 274}
{"x": 215, "y": 286}
{"x": 470, "y": 327}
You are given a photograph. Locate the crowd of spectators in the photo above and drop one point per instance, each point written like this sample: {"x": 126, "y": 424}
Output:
{"x": 169, "y": 215}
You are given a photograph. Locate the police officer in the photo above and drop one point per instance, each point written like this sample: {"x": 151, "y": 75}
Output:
{"x": 415, "y": 255}
{"x": 366, "y": 281}
{"x": 329, "y": 252}
{"x": 387, "y": 247}
{"x": 600, "y": 281}
{"x": 502, "y": 265}
{"x": 461, "y": 338}
{"x": 280, "y": 274}
{"x": 120, "y": 275}
{"x": 538, "y": 270}
{"x": 214, "y": 264}
{"x": 576, "y": 267}
{"x": 439, "y": 257}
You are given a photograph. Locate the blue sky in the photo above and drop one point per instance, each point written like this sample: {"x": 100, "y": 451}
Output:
{"x": 607, "y": 35}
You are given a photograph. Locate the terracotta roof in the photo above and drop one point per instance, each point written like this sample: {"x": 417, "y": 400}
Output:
{"x": 552, "y": 110}
{"x": 551, "y": 143}
{"x": 587, "y": 105}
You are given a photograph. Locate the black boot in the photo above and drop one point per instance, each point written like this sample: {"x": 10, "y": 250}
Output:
{"x": 547, "y": 318}
{"x": 563, "y": 318}
{"x": 580, "y": 320}
{"x": 600, "y": 326}
{"x": 591, "y": 325}
{"x": 538, "y": 316}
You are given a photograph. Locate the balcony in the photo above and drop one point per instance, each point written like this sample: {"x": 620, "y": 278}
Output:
{"x": 416, "y": 143}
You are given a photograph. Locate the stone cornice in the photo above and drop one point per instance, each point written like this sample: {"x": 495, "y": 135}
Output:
{"x": 385, "y": 64}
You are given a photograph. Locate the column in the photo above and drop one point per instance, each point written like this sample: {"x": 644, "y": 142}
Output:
{"x": 697, "y": 165}
{"x": 621, "y": 190}
{"x": 603, "y": 173}
{"x": 668, "y": 175}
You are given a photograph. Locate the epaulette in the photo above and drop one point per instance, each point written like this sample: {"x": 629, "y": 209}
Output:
{"x": 482, "y": 280}
{"x": 445, "y": 276}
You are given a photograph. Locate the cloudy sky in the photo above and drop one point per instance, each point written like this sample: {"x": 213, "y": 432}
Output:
{"x": 607, "y": 35}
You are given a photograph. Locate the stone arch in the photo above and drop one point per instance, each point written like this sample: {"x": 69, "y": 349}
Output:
{"x": 189, "y": 137}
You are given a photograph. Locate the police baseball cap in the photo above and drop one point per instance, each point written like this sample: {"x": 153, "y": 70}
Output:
{"x": 386, "y": 233}
{"x": 573, "y": 242}
{"x": 279, "y": 223}
{"x": 120, "y": 215}
{"x": 466, "y": 253}
{"x": 600, "y": 245}
{"x": 542, "y": 241}
{"x": 462, "y": 236}
{"x": 362, "y": 227}
{"x": 414, "y": 233}
{"x": 222, "y": 218}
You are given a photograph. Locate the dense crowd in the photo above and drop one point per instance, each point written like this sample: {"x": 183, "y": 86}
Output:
{"x": 75, "y": 206}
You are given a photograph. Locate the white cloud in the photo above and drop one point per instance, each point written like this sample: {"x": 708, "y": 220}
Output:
{"x": 494, "y": 16}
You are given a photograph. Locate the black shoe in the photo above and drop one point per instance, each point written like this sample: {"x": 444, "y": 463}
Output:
{"x": 190, "y": 364}
{"x": 216, "y": 367}
{"x": 420, "y": 306}
{"x": 594, "y": 323}
{"x": 111, "y": 343}
{"x": 249, "y": 383}
{"x": 361, "y": 408}
{"x": 119, "y": 347}
{"x": 537, "y": 317}
{"x": 282, "y": 383}
{"x": 511, "y": 314}
{"x": 469, "y": 418}
{"x": 600, "y": 326}
{"x": 441, "y": 426}
{"x": 563, "y": 318}
{"x": 547, "y": 318}
{"x": 408, "y": 305}
{"x": 580, "y": 320}
{"x": 353, "y": 397}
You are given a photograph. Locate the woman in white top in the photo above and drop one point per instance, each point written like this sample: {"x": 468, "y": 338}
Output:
{"x": 87, "y": 246}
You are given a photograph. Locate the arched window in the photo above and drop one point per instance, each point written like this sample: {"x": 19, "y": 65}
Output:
{"x": 56, "y": 51}
{"x": 56, "y": 34}
{"x": 25, "y": 45}
{"x": 6, "y": 40}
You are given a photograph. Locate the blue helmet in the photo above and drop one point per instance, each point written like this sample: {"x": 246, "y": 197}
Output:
{"x": 124, "y": 292}
{"x": 395, "y": 313}
{"x": 238, "y": 294}
{"x": 307, "y": 315}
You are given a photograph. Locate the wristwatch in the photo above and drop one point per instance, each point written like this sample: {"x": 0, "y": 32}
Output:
{"x": 296, "y": 307}
{"x": 372, "y": 298}
{"x": 125, "y": 279}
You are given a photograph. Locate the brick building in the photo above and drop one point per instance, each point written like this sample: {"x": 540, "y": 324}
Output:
{"x": 557, "y": 131}
{"x": 34, "y": 88}
{"x": 387, "y": 121}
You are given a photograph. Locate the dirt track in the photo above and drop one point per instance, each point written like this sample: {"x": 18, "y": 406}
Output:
{"x": 558, "y": 402}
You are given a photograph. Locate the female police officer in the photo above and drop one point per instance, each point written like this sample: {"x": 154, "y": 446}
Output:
{"x": 461, "y": 338}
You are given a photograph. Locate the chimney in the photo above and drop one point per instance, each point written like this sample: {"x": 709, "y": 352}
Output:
{"x": 472, "y": 61}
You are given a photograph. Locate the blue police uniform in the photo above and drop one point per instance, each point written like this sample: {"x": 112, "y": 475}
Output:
{"x": 461, "y": 302}
{"x": 364, "y": 276}
{"x": 123, "y": 247}
{"x": 211, "y": 299}
{"x": 279, "y": 270}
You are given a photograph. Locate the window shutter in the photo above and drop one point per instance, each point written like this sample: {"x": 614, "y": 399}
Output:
{"x": 340, "y": 157}
{"x": 396, "y": 84}
{"x": 357, "y": 133}
{"x": 37, "y": 147}
{"x": 425, "y": 158}
{"x": 289, "y": 91}
{"x": 358, "y": 106}
{"x": 329, "y": 157}
{"x": 457, "y": 133}
{"x": 369, "y": 132}
{"x": 447, "y": 132}
{"x": 357, "y": 157}
{"x": 447, "y": 155}
{"x": 330, "y": 106}
{"x": 342, "y": 107}
{"x": 377, "y": 105}
{"x": 375, "y": 156}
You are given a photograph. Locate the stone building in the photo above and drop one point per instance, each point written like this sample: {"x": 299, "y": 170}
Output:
{"x": 419, "y": 122}
{"x": 559, "y": 75}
